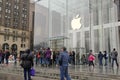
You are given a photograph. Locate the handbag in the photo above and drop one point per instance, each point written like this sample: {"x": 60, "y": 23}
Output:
{"x": 32, "y": 72}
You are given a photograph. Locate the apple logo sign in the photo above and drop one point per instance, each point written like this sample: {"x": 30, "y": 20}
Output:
{"x": 76, "y": 22}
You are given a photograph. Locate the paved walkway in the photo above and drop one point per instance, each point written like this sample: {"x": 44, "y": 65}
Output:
{"x": 73, "y": 70}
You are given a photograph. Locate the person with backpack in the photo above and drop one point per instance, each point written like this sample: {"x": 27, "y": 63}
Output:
{"x": 27, "y": 64}
{"x": 114, "y": 55}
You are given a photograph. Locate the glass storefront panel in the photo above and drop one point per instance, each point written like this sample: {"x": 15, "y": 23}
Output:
{"x": 75, "y": 23}
{"x": 107, "y": 39}
{"x": 41, "y": 29}
{"x": 96, "y": 41}
{"x": 87, "y": 39}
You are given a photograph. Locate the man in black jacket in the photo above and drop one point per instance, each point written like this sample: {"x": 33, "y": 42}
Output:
{"x": 27, "y": 63}
{"x": 7, "y": 54}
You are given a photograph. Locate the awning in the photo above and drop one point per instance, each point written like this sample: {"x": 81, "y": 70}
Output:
{"x": 58, "y": 38}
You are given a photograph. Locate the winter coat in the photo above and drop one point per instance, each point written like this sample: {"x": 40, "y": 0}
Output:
{"x": 26, "y": 61}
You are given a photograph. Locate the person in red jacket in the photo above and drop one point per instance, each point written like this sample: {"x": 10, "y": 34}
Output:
{"x": 91, "y": 58}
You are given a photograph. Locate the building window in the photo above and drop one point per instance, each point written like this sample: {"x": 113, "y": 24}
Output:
{"x": 21, "y": 39}
{"x": 17, "y": 1}
{"x": 95, "y": 13}
{"x": 87, "y": 38}
{"x": 0, "y": 16}
{"x": 7, "y": 11}
{"x": 5, "y": 37}
{"x": 96, "y": 40}
{"x": 16, "y": 36}
{"x": 13, "y": 36}
{"x": 0, "y": 0}
{"x": 24, "y": 39}
{"x": 105, "y": 12}
{"x": 21, "y": 45}
{"x": 24, "y": 45}
{"x": 0, "y": 9}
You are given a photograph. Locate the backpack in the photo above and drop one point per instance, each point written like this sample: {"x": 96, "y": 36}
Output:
{"x": 26, "y": 63}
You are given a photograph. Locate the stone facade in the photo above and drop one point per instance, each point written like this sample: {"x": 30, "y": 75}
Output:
{"x": 14, "y": 24}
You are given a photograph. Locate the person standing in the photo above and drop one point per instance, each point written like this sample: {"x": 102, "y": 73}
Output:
{"x": 48, "y": 57}
{"x": 1, "y": 56}
{"x": 7, "y": 54}
{"x": 73, "y": 54}
{"x": 100, "y": 58}
{"x": 114, "y": 55}
{"x": 42, "y": 57}
{"x": 83, "y": 59}
{"x": 63, "y": 62}
{"x": 27, "y": 64}
{"x": 15, "y": 57}
{"x": 106, "y": 57}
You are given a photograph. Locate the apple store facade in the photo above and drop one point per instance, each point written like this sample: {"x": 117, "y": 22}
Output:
{"x": 80, "y": 25}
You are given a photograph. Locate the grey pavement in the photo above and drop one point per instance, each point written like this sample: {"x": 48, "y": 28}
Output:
{"x": 54, "y": 71}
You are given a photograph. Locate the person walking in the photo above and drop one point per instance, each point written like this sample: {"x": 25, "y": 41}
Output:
{"x": 27, "y": 64}
{"x": 63, "y": 62}
{"x": 91, "y": 58}
{"x": 114, "y": 55}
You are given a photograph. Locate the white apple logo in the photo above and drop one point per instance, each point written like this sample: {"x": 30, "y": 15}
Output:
{"x": 75, "y": 23}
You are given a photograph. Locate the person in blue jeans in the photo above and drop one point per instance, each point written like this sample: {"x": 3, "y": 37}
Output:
{"x": 63, "y": 62}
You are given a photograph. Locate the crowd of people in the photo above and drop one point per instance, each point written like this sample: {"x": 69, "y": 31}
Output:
{"x": 103, "y": 58}
{"x": 6, "y": 56}
{"x": 46, "y": 58}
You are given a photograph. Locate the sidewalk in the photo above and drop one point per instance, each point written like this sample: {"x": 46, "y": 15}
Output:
{"x": 77, "y": 72}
